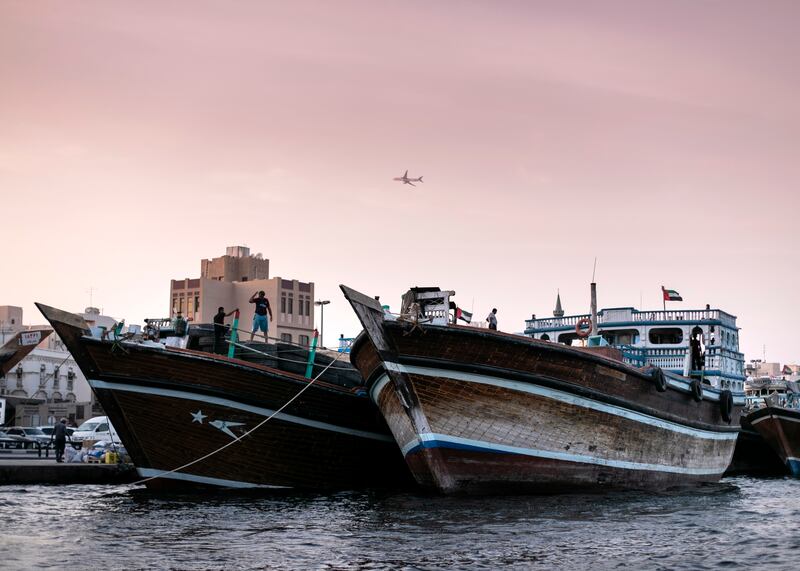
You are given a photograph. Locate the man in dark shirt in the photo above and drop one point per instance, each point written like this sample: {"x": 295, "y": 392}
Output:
{"x": 219, "y": 329}
{"x": 60, "y": 436}
{"x": 260, "y": 320}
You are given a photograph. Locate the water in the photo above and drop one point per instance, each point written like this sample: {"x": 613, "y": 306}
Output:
{"x": 740, "y": 522}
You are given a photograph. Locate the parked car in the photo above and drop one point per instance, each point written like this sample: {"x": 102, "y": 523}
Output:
{"x": 9, "y": 441}
{"x": 96, "y": 428}
{"x": 48, "y": 430}
{"x": 29, "y": 432}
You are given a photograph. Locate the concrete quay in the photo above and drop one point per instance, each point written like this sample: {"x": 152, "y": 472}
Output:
{"x": 47, "y": 471}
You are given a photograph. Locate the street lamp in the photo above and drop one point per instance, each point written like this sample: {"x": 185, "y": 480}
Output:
{"x": 322, "y": 303}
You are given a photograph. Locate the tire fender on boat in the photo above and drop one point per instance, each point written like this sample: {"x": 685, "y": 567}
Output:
{"x": 580, "y": 331}
{"x": 697, "y": 390}
{"x": 726, "y": 405}
{"x": 659, "y": 379}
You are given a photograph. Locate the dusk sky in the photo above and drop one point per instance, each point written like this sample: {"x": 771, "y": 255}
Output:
{"x": 661, "y": 137}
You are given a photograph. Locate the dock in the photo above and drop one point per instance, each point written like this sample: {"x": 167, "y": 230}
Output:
{"x": 47, "y": 471}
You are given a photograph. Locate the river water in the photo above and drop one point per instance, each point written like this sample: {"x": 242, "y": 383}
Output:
{"x": 740, "y": 522}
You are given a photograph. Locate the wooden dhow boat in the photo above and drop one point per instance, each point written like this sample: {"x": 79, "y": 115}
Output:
{"x": 18, "y": 347}
{"x": 480, "y": 411}
{"x": 779, "y": 426}
{"x": 173, "y": 406}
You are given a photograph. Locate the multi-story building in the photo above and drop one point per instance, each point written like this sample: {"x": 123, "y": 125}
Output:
{"x": 230, "y": 280}
{"x": 47, "y": 383}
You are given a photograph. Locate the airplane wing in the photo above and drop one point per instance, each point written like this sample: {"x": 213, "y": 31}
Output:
{"x": 411, "y": 183}
{"x": 406, "y": 175}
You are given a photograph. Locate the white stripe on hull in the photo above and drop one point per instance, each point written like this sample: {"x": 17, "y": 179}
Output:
{"x": 152, "y": 473}
{"x": 553, "y": 455}
{"x": 780, "y": 416}
{"x": 554, "y": 394}
{"x": 186, "y": 395}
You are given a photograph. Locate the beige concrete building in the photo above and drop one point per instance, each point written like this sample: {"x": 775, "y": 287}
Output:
{"x": 230, "y": 280}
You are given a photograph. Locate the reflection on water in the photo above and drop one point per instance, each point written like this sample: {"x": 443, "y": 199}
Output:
{"x": 742, "y": 521}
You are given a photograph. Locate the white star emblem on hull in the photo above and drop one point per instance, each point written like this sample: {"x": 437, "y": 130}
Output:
{"x": 198, "y": 416}
{"x": 224, "y": 426}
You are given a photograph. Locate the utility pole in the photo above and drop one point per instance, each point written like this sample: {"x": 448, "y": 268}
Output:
{"x": 322, "y": 303}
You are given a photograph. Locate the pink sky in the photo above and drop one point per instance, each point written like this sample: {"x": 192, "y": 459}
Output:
{"x": 661, "y": 137}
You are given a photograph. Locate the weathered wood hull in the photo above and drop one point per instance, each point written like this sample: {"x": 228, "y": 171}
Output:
{"x": 753, "y": 455}
{"x": 780, "y": 428}
{"x": 172, "y": 407}
{"x": 478, "y": 411}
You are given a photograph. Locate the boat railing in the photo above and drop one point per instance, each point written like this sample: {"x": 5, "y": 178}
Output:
{"x": 609, "y": 316}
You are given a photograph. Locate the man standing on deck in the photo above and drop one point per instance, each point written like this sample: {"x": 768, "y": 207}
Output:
{"x": 219, "y": 329}
{"x": 492, "y": 319}
{"x": 260, "y": 320}
{"x": 60, "y": 436}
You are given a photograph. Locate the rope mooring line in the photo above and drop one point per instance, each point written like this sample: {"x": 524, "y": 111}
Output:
{"x": 248, "y": 433}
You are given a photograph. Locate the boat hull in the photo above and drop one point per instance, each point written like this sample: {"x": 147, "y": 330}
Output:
{"x": 753, "y": 455}
{"x": 179, "y": 413}
{"x": 478, "y": 411}
{"x": 780, "y": 428}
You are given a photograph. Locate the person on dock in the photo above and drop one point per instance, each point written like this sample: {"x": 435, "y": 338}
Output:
{"x": 492, "y": 319}
{"x": 220, "y": 329}
{"x": 260, "y": 319}
{"x": 60, "y": 436}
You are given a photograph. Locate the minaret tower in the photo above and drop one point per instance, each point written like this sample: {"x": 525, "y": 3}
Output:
{"x": 558, "y": 312}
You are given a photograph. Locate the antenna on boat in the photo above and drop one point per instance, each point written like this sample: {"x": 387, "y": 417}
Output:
{"x": 594, "y": 299}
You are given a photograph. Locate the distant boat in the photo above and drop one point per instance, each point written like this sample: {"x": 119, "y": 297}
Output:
{"x": 481, "y": 411}
{"x": 780, "y": 428}
{"x": 18, "y": 347}
{"x": 778, "y": 423}
{"x": 172, "y": 406}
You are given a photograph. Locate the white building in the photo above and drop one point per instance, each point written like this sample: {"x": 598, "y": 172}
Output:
{"x": 48, "y": 378}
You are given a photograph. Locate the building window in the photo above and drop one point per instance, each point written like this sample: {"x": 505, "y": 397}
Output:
{"x": 196, "y": 303}
{"x": 283, "y": 303}
{"x": 666, "y": 335}
{"x": 286, "y": 337}
{"x": 308, "y": 306}
{"x": 291, "y": 304}
{"x": 304, "y": 340}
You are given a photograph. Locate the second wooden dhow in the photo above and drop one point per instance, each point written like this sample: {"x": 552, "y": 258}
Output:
{"x": 488, "y": 412}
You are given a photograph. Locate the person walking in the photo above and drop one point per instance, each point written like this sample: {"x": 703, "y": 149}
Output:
{"x": 60, "y": 436}
{"x": 492, "y": 319}
{"x": 260, "y": 319}
{"x": 220, "y": 329}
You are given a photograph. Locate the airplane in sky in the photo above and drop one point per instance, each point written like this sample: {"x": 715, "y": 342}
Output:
{"x": 405, "y": 180}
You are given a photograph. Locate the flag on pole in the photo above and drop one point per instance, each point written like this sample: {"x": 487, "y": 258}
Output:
{"x": 463, "y": 315}
{"x": 671, "y": 294}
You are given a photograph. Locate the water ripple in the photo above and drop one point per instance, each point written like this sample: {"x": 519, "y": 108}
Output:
{"x": 740, "y": 522}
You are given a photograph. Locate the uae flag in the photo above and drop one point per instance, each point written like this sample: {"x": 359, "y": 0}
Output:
{"x": 671, "y": 295}
{"x": 463, "y": 315}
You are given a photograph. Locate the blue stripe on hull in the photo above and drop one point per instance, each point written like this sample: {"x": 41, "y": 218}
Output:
{"x": 794, "y": 466}
{"x": 428, "y": 440}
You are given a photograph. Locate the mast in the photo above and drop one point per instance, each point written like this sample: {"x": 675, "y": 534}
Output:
{"x": 594, "y": 308}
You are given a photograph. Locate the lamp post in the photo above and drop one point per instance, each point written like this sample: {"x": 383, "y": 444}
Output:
{"x": 322, "y": 303}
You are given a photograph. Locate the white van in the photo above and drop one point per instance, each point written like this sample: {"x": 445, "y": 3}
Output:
{"x": 96, "y": 428}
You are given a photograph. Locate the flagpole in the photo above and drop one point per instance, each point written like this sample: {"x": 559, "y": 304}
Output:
{"x": 663, "y": 298}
